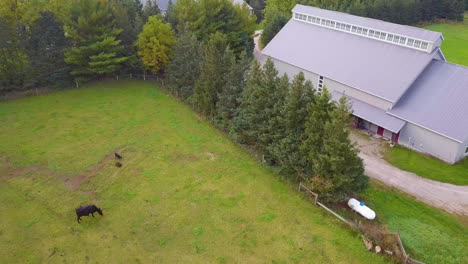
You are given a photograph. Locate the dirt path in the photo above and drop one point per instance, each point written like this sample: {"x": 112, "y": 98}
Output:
{"x": 449, "y": 197}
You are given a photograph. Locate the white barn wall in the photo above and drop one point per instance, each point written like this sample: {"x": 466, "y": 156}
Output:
{"x": 425, "y": 141}
{"x": 462, "y": 151}
{"x": 364, "y": 97}
{"x": 331, "y": 85}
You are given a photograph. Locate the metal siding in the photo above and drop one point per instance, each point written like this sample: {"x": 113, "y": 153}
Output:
{"x": 331, "y": 85}
{"x": 438, "y": 101}
{"x": 461, "y": 151}
{"x": 409, "y": 31}
{"x": 334, "y": 86}
{"x": 425, "y": 141}
{"x": 291, "y": 71}
{"x": 381, "y": 69}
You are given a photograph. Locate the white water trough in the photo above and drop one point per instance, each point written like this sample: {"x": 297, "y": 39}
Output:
{"x": 361, "y": 208}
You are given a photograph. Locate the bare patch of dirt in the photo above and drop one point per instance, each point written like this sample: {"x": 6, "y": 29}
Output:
{"x": 210, "y": 155}
{"x": 8, "y": 170}
{"x": 74, "y": 182}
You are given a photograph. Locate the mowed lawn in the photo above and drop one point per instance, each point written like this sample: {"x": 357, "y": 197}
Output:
{"x": 455, "y": 45}
{"x": 428, "y": 167}
{"x": 429, "y": 235}
{"x": 185, "y": 193}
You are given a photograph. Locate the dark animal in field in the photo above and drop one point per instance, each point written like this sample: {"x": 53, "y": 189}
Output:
{"x": 86, "y": 211}
{"x": 117, "y": 155}
{"x": 118, "y": 164}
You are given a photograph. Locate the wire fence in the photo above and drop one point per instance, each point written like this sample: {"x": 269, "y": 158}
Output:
{"x": 387, "y": 243}
{"x": 42, "y": 90}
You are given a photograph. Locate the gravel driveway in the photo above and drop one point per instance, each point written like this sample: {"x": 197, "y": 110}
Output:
{"x": 449, "y": 197}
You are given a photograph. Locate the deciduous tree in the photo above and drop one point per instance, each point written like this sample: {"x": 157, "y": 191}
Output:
{"x": 155, "y": 44}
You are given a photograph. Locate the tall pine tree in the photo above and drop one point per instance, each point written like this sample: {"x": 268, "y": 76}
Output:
{"x": 184, "y": 69}
{"x": 46, "y": 48}
{"x": 96, "y": 50}
{"x": 229, "y": 96}
{"x": 258, "y": 106}
{"x": 318, "y": 114}
{"x": 293, "y": 119}
{"x": 212, "y": 71}
{"x": 338, "y": 170}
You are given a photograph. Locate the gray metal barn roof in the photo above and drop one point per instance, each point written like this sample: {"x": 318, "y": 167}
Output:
{"x": 438, "y": 101}
{"x": 375, "y": 67}
{"x": 372, "y": 114}
{"x": 409, "y": 31}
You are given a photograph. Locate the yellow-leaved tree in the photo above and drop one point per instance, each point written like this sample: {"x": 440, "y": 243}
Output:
{"x": 155, "y": 44}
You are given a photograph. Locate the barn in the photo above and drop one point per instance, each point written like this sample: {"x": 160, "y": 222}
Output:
{"x": 396, "y": 78}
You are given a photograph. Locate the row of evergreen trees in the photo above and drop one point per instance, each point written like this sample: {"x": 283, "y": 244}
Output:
{"x": 295, "y": 128}
{"x": 52, "y": 43}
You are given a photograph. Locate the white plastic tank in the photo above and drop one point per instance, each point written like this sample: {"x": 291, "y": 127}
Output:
{"x": 361, "y": 208}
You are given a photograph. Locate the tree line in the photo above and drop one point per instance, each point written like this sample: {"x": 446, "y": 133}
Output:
{"x": 406, "y": 12}
{"x": 50, "y": 43}
{"x": 296, "y": 129}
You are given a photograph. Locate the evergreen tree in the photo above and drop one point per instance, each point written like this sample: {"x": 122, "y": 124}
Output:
{"x": 273, "y": 26}
{"x": 338, "y": 170}
{"x": 128, "y": 17}
{"x": 184, "y": 69}
{"x": 245, "y": 120}
{"x": 155, "y": 44}
{"x": 206, "y": 17}
{"x": 293, "y": 117}
{"x": 229, "y": 97}
{"x": 318, "y": 114}
{"x": 276, "y": 124}
{"x": 46, "y": 48}
{"x": 266, "y": 106}
{"x": 13, "y": 59}
{"x": 170, "y": 15}
{"x": 96, "y": 50}
{"x": 257, "y": 106}
{"x": 212, "y": 71}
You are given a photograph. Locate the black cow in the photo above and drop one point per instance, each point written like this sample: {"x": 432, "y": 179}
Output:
{"x": 86, "y": 211}
{"x": 117, "y": 155}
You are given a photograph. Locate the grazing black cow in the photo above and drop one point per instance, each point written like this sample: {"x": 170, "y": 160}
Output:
{"x": 86, "y": 211}
{"x": 118, "y": 164}
{"x": 117, "y": 155}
